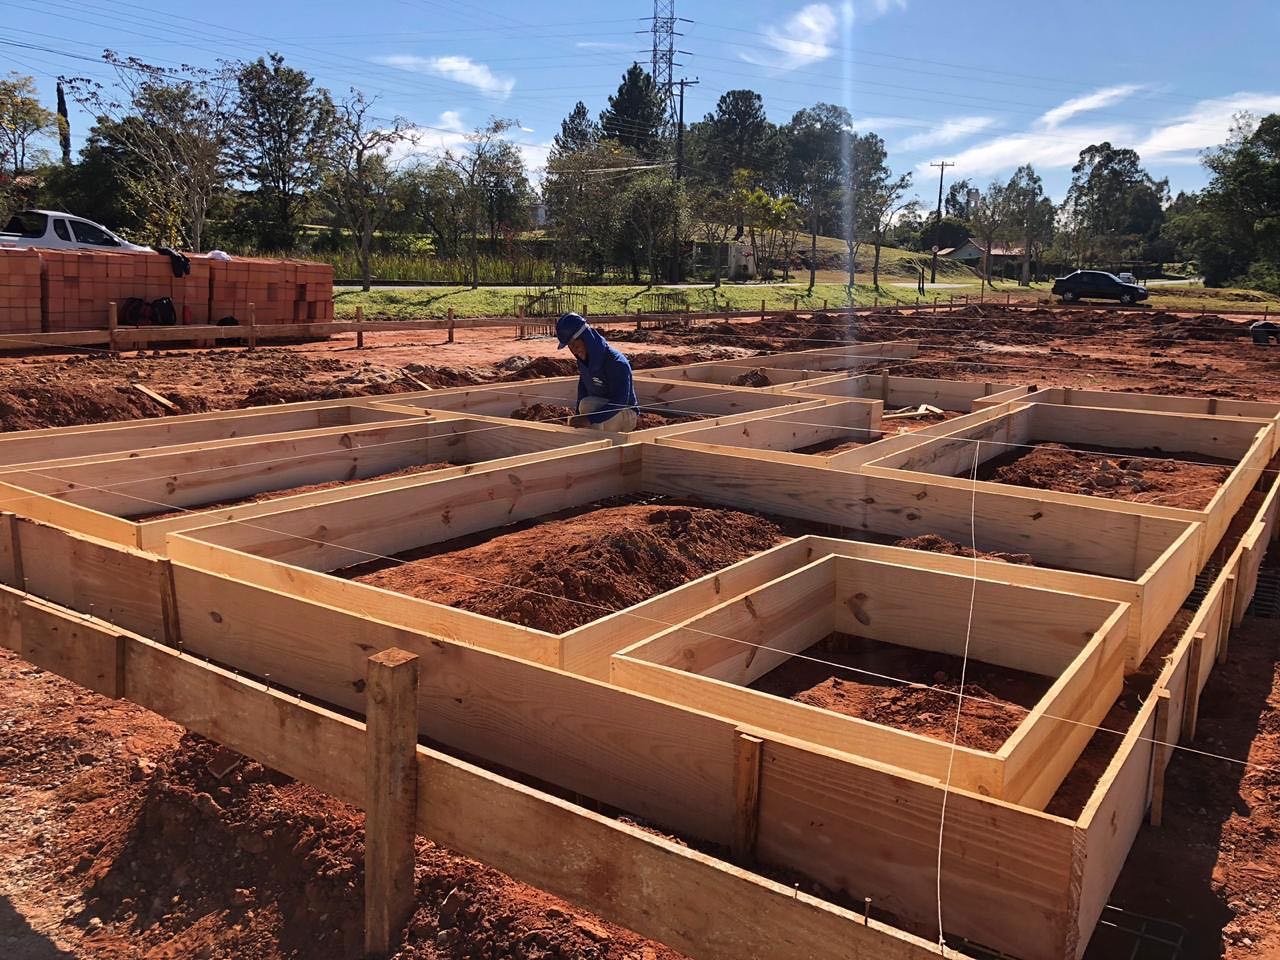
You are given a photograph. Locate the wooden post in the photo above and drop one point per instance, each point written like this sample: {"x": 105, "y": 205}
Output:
{"x": 1228, "y": 614}
{"x": 762, "y": 308}
{"x": 824, "y": 305}
{"x": 112, "y": 319}
{"x": 1160, "y": 755}
{"x": 746, "y": 795}
{"x": 1191, "y": 707}
{"x": 13, "y": 576}
{"x": 359, "y": 328}
{"x": 391, "y": 783}
{"x": 450, "y": 315}
{"x": 252, "y": 322}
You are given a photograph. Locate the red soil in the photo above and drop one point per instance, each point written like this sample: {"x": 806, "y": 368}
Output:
{"x": 936, "y": 544}
{"x": 829, "y": 448}
{"x": 898, "y": 425}
{"x": 122, "y": 843}
{"x": 558, "y": 413}
{"x": 562, "y": 573}
{"x": 925, "y": 703}
{"x": 755, "y": 377}
{"x": 1139, "y": 476}
{"x": 268, "y": 495}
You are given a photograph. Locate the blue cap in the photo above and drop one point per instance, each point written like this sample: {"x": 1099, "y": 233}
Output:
{"x": 569, "y": 327}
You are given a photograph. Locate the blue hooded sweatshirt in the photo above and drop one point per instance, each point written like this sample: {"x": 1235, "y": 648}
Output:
{"x": 606, "y": 373}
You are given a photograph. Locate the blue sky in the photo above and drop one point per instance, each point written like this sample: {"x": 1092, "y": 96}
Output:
{"x": 986, "y": 84}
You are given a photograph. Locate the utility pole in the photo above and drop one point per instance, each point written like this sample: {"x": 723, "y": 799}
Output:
{"x": 933, "y": 272}
{"x": 675, "y": 226}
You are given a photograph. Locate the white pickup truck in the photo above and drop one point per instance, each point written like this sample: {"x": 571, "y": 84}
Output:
{"x": 52, "y": 229}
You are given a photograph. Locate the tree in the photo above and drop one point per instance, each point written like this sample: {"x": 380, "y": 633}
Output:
{"x": 64, "y": 126}
{"x": 1117, "y": 204}
{"x": 361, "y": 183}
{"x": 577, "y": 131}
{"x": 97, "y": 185}
{"x": 475, "y": 167}
{"x": 22, "y": 120}
{"x": 957, "y": 202}
{"x": 772, "y": 225}
{"x": 507, "y": 193}
{"x": 989, "y": 217}
{"x": 635, "y": 116}
{"x": 714, "y": 213}
{"x": 817, "y": 141}
{"x": 580, "y": 190}
{"x": 280, "y": 137}
{"x": 872, "y": 198}
{"x": 654, "y": 207}
{"x": 176, "y": 144}
{"x": 1031, "y": 216}
{"x": 734, "y": 137}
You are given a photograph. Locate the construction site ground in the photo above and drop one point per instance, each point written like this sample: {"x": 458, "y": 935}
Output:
{"x": 122, "y": 837}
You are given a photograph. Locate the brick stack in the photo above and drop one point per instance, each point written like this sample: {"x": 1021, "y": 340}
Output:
{"x": 20, "y": 293}
{"x": 282, "y": 291}
{"x": 63, "y": 290}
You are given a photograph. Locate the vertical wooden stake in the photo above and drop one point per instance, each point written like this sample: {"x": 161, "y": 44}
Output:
{"x": 450, "y": 315}
{"x": 13, "y": 576}
{"x": 761, "y": 308}
{"x": 746, "y": 795}
{"x": 1191, "y": 708}
{"x": 391, "y": 781}
{"x": 252, "y": 322}
{"x": 1163, "y": 735}
{"x": 359, "y": 328}
{"x": 112, "y": 321}
{"x": 1228, "y": 614}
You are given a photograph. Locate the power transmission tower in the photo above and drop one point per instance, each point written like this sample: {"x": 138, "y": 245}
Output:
{"x": 937, "y": 236}
{"x": 662, "y": 62}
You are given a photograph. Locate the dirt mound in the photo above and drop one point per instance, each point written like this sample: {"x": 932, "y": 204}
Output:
{"x": 936, "y": 544}
{"x": 541, "y": 367}
{"x": 543, "y": 413}
{"x": 1140, "y": 476}
{"x": 1171, "y": 329}
{"x": 845, "y": 674}
{"x": 755, "y": 377}
{"x": 34, "y": 406}
{"x": 648, "y": 419}
{"x": 562, "y": 573}
{"x": 266, "y": 394}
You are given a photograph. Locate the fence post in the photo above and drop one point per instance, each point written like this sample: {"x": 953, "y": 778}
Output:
{"x": 359, "y": 328}
{"x": 450, "y": 315}
{"x": 112, "y": 320}
{"x": 253, "y": 327}
{"x": 391, "y": 785}
{"x": 762, "y": 308}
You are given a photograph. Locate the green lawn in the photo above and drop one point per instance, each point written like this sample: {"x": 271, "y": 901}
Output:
{"x": 425, "y": 303}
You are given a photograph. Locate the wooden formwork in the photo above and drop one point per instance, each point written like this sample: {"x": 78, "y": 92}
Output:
{"x": 1152, "y": 402}
{"x": 951, "y": 459}
{"x": 775, "y": 372}
{"x": 116, "y": 497}
{"x": 710, "y": 661}
{"x": 1147, "y": 562}
{"x": 709, "y": 404}
{"x": 1025, "y": 882}
{"x": 69, "y": 445}
{"x": 964, "y": 396}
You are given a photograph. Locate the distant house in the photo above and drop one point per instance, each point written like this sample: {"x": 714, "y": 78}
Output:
{"x": 971, "y": 252}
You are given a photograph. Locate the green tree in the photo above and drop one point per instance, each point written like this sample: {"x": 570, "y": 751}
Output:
{"x": 635, "y": 116}
{"x": 64, "y": 126}
{"x": 477, "y": 167}
{"x": 714, "y": 213}
{"x": 1031, "y": 216}
{"x": 507, "y": 193}
{"x": 96, "y": 186}
{"x": 280, "y": 137}
{"x": 362, "y": 185}
{"x": 1116, "y": 204}
{"x": 654, "y": 207}
{"x": 584, "y": 218}
{"x": 990, "y": 218}
{"x": 957, "y": 202}
{"x": 872, "y": 197}
{"x": 577, "y": 131}
{"x": 817, "y": 140}
{"x": 176, "y": 157}
{"x": 22, "y": 122}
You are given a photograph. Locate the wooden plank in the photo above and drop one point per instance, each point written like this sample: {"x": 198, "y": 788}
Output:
{"x": 865, "y": 831}
{"x": 1191, "y": 709}
{"x": 577, "y": 733}
{"x": 391, "y": 712}
{"x": 746, "y": 795}
{"x": 162, "y": 400}
{"x": 72, "y": 646}
{"x": 1164, "y": 736}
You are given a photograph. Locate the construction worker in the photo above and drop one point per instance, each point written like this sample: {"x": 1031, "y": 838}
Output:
{"x": 606, "y": 396}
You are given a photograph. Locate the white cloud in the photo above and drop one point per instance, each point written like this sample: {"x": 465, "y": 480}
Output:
{"x": 459, "y": 69}
{"x": 881, "y": 7}
{"x": 876, "y": 124}
{"x": 1090, "y": 101}
{"x": 1205, "y": 125}
{"x": 948, "y": 131}
{"x": 1042, "y": 150}
{"x": 600, "y": 45}
{"x": 802, "y": 40}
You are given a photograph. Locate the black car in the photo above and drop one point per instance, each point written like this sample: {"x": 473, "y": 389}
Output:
{"x": 1097, "y": 285}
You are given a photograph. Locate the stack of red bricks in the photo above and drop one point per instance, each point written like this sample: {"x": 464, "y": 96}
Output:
{"x": 56, "y": 291}
{"x": 19, "y": 291}
{"x": 281, "y": 291}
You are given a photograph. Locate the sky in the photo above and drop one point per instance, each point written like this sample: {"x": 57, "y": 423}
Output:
{"x": 986, "y": 84}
